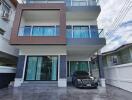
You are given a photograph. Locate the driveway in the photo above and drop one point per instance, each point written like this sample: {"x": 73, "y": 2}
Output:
{"x": 70, "y": 93}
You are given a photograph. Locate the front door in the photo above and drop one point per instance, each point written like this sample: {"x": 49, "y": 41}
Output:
{"x": 41, "y": 68}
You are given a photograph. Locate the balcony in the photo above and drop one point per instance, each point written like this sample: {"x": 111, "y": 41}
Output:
{"x": 68, "y": 2}
{"x": 39, "y": 31}
{"x": 82, "y": 41}
{"x": 83, "y": 32}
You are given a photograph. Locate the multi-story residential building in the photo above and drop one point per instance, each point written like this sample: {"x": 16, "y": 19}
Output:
{"x": 117, "y": 54}
{"x": 8, "y": 53}
{"x": 55, "y": 38}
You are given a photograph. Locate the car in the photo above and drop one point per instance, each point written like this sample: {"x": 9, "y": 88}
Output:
{"x": 82, "y": 79}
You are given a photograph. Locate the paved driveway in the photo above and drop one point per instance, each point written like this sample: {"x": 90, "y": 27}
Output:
{"x": 70, "y": 93}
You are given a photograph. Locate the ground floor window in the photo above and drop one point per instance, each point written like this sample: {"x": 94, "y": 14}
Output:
{"x": 41, "y": 68}
{"x": 73, "y": 66}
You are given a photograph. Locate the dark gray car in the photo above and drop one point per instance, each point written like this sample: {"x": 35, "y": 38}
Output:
{"x": 82, "y": 79}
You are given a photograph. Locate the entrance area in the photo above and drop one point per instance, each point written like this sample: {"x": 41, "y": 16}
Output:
{"x": 41, "y": 68}
{"x": 73, "y": 66}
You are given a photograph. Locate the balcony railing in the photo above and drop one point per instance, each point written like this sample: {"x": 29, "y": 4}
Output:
{"x": 81, "y": 2}
{"x": 68, "y": 2}
{"x": 38, "y": 31}
{"x": 92, "y": 33}
{"x": 71, "y": 31}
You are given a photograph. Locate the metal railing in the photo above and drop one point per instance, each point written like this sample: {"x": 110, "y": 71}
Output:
{"x": 38, "y": 31}
{"x": 91, "y": 33}
{"x": 54, "y": 31}
{"x": 68, "y": 2}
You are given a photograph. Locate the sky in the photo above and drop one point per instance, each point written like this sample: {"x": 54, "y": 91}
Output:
{"x": 116, "y": 20}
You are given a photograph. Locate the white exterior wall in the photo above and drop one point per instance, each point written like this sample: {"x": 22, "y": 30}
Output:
{"x": 7, "y": 26}
{"x": 119, "y": 76}
{"x": 42, "y": 50}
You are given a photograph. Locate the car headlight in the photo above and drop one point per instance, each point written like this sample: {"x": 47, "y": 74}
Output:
{"x": 92, "y": 78}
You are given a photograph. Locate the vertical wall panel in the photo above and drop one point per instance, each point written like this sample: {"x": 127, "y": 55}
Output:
{"x": 20, "y": 66}
{"x": 63, "y": 66}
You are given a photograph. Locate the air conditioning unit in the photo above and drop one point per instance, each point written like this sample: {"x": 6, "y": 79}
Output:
{"x": 5, "y": 16}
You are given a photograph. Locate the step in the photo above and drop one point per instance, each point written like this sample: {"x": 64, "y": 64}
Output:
{"x": 40, "y": 84}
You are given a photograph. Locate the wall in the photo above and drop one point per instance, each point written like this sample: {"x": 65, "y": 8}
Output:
{"x": 42, "y": 50}
{"x": 7, "y": 26}
{"x": 7, "y": 75}
{"x": 119, "y": 76}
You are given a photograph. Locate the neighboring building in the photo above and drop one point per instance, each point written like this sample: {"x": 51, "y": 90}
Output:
{"x": 8, "y": 53}
{"x": 55, "y": 38}
{"x": 116, "y": 21}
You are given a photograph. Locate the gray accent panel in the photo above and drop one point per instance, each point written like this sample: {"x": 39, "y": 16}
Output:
{"x": 63, "y": 66}
{"x": 100, "y": 64}
{"x": 20, "y": 66}
{"x": 86, "y": 41}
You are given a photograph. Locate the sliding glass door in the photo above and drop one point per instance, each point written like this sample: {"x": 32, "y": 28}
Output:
{"x": 73, "y": 66}
{"x": 41, "y": 68}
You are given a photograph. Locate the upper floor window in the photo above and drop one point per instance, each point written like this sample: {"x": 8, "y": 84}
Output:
{"x": 5, "y": 10}
{"x": 82, "y": 31}
{"x": 39, "y": 31}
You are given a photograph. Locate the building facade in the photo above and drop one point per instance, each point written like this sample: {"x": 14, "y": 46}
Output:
{"x": 117, "y": 53}
{"x": 8, "y": 53}
{"x": 55, "y": 38}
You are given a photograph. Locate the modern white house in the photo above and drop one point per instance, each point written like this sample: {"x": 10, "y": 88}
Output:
{"x": 8, "y": 53}
{"x": 55, "y": 38}
{"x": 116, "y": 20}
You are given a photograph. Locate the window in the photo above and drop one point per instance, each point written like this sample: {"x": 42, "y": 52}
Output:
{"x": 44, "y": 31}
{"x": 69, "y": 31}
{"x": 81, "y": 32}
{"x": 5, "y": 11}
{"x": 27, "y": 30}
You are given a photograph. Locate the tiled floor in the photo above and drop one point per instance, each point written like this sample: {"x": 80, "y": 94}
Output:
{"x": 70, "y": 93}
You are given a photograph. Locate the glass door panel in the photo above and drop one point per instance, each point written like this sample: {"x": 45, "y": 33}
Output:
{"x": 31, "y": 68}
{"x": 78, "y": 66}
{"x": 43, "y": 68}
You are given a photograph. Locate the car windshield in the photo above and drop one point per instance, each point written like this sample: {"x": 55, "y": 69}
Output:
{"x": 81, "y": 73}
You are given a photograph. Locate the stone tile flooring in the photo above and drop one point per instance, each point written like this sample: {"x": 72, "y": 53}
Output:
{"x": 70, "y": 93}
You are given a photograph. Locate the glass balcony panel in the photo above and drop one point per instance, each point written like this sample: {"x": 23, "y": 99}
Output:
{"x": 79, "y": 3}
{"x": 80, "y": 32}
{"x": 94, "y": 32}
{"x": 68, "y": 2}
{"x": 39, "y": 31}
{"x": 83, "y": 32}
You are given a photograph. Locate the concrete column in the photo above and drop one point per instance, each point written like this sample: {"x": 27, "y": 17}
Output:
{"x": 19, "y": 71}
{"x": 62, "y": 80}
{"x": 101, "y": 71}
